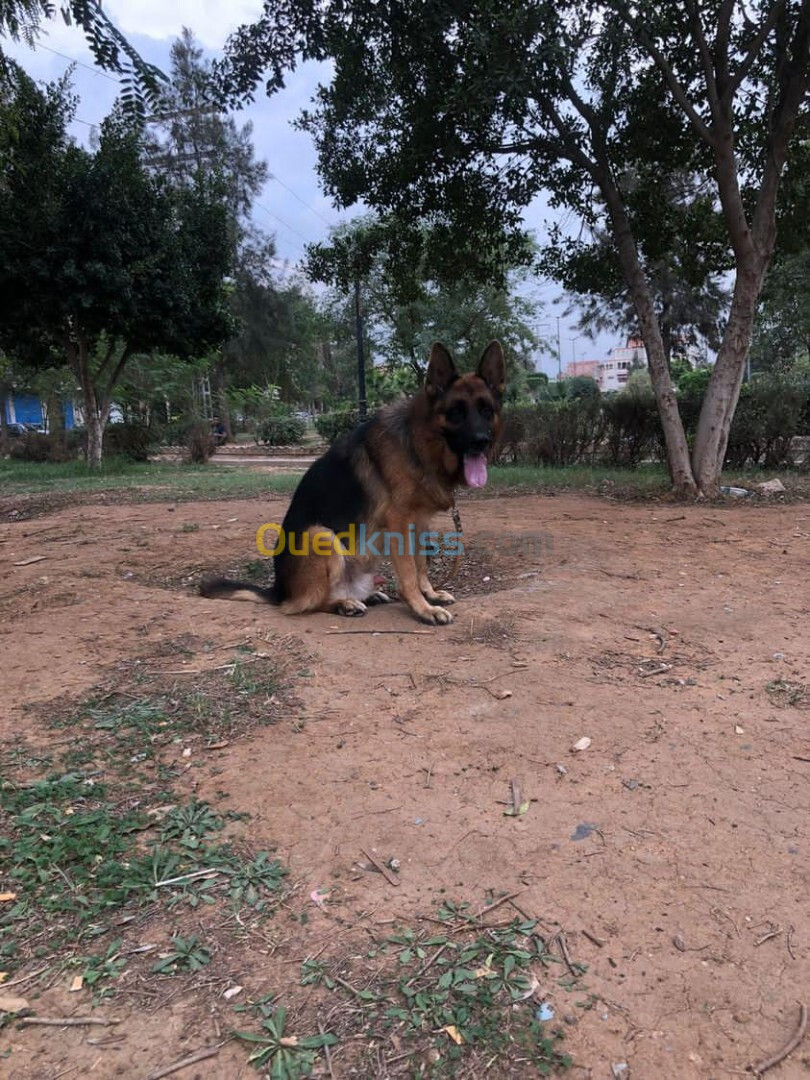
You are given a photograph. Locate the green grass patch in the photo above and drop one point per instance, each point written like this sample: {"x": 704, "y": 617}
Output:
{"x": 151, "y": 481}
{"x": 457, "y": 998}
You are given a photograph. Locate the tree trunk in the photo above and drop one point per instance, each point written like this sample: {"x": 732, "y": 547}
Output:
{"x": 722, "y": 395}
{"x": 223, "y": 408}
{"x": 680, "y": 465}
{"x": 56, "y": 419}
{"x": 95, "y": 437}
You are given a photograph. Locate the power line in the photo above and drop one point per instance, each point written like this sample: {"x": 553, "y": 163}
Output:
{"x": 295, "y": 195}
{"x": 286, "y": 224}
{"x": 79, "y": 63}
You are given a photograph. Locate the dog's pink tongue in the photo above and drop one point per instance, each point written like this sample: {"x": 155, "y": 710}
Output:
{"x": 475, "y": 470}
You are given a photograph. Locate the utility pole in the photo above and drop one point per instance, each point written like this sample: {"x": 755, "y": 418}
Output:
{"x": 362, "y": 405}
{"x": 559, "y": 352}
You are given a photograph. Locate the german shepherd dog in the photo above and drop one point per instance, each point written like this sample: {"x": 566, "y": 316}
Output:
{"x": 393, "y": 473}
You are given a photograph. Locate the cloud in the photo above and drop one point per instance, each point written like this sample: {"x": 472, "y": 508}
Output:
{"x": 211, "y": 20}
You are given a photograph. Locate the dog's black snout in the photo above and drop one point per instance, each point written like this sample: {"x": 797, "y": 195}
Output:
{"x": 479, "y": 443}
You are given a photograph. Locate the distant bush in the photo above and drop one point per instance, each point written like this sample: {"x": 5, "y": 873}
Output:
{"x": 632, "y": 425}
{"x": 769, "y": 414}
{"x": 332, "y": 425}
{"x": 131, "y": 440}
{"x": 200, "y": 442}
{"x": 553, "y": 432}
{"x": 282, "y": 430}
{"x": 55, "y": 448}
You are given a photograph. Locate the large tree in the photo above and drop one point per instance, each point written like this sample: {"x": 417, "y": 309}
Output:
{"x": 99, "y": 258}
{"x": 465, "y": 112}
{"x": 408, "y": 303}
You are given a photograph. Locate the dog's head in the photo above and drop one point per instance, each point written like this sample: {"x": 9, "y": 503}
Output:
{"x": 467, "y": 408}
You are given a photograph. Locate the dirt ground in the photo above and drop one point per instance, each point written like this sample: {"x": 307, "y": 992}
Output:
{"x": 672, "y": 851}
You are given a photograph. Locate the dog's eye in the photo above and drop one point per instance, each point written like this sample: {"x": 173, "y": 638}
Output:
{"x": 486, "y": 410}
{"x": 456, "y": 412}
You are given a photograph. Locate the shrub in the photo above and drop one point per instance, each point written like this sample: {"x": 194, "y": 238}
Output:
{"x": 131, "y": 440}
{"x": 769, "y": 414}
{"x": 200, "y": 442}
{"x": 281, "y": 430}
{"x": 332, "y": 425}
{"x": 560, "y": 431}
{"x": 56, "y": 448}
{"x": 632, "y": 425}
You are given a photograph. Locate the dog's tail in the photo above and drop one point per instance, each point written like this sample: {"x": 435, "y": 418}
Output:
{"x": 225, "y": 589}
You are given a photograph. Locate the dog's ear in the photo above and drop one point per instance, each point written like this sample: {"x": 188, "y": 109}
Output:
{"x": 492, "y": 368}
{"x": 441, "y": 371}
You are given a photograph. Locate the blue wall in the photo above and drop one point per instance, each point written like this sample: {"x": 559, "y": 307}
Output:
{"x": 28, "y": 410}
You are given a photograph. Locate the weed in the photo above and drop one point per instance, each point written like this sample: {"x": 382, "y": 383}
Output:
{"x": 191, "y": 824}
{"x": 187, "y": 955}
{"x": 250, "y": 880}
{"x": 287, "y": 1057}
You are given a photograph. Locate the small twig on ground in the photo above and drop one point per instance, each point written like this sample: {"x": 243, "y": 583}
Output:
{"x": 660, "y": 670}
{"x": 515, "y": 789}
{"x": 188, "y": 877}
{"x": 429, "y": 963}
{"x": 192, "y": 1059}
{"x": 427, "y": 633}
{"x": 378, "y": 864}
{"x": 565, "y": 954}
{"x": 791, "y": 930}
{"x": 26, "y": 978}
{"x": 592, "y": 937}
{"x": 67, "y": 1021}
{"x": 772, "y": 933}
{"x": 762, "y": 1066}
{"x": 497, "y": 903}
{"x": 326, "y": 1051}
{"x": 239, "y": 662}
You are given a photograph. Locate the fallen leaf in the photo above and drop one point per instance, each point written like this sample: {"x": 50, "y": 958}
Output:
{"x": 317, "y": 896}
{"x": 6, "y": 896}
{"x": 187, "y": 752}
{"x": 581, "y": 744}
{"x": 501, "y": 695}
{"x": 739, "y": 730}
{"x": 33, "y": 559}
{"x": 521, "y": 810}
{"x": 232, "y": 991}
{"x": 289, "y": 1040}
{"x": 10, "y": 1003}
{"x": 3, "y": 976}
{"x": 454, "y": 1034}
{"x": 77, "y": 984}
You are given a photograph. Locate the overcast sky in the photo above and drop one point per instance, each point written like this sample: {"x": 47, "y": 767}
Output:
{"x": 292, "y": 206}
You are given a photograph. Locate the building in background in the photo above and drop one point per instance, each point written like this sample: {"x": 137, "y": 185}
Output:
{"x": 615, "y": 371}
{"x": 30, "y": 410}
{"x": 575, "y": 369}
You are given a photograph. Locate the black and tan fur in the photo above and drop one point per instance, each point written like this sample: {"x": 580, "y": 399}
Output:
{"x": 398, "y": 469}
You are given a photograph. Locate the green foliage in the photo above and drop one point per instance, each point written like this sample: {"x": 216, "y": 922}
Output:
{"x": 35, "y": 446}
{"x": 331, "y": 425}
{"x": 133, "y": 440}
{"x": 199, "y": 442}
{"x": 22, "y": 19}
{"x": 187, "y": 954}
{"x": 284, "y": 1056}
{"x": 770, "y": 413}
{"x": 624, "y": 428}
{"x": 281, "y": 430}
{"x": 632, "y": 425}
{"x": 101, "y": 259}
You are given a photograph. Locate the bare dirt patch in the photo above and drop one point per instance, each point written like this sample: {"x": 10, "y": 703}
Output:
{"x": 671, "y": 853}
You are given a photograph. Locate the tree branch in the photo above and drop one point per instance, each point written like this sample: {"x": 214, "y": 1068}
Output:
{"x": 663, "y": 65}
{"x": 755, "y": 46}
{"x": 114, "y": 376}
{"x": 706, "y": 57}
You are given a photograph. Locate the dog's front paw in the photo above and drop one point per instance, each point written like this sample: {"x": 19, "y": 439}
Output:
{"x": 350, "y": 607}
{"x": 440, "y": 596}
{"x": 436, "y": 616}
